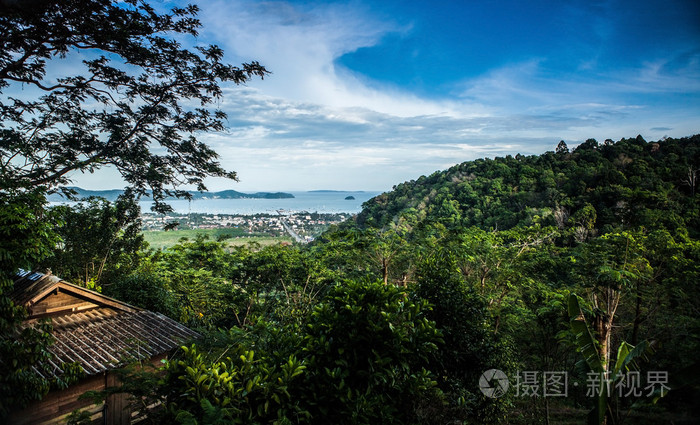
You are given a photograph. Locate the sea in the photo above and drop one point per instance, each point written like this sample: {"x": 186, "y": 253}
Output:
{"x": 322, "y": 202}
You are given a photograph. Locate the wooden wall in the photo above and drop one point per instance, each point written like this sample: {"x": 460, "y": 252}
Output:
{"x": 117, "y": 405}
{"x": 57, "y": 405}
{"x": 60, "y": 303}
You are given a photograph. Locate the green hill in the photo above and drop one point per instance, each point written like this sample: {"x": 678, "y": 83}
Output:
{"x": 629, "y": 183}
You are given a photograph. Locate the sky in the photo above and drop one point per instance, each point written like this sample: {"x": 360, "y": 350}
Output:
{"x": 365, "y": 94}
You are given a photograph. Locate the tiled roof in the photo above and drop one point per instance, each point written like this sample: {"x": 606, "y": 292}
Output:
{"x": 29, "y": 285}
{"x": 30, "y": 288}
{"x": 98, "y": 332}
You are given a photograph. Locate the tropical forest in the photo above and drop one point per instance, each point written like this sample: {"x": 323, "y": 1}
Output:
{"x": 557, "y": 288}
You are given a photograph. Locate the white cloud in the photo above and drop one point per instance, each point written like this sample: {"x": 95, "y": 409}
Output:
{"x": 300, "y": 45}
{"x": 312, "y": 113}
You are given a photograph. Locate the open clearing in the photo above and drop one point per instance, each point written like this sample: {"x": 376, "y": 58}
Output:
{"x": 164, "y": 240}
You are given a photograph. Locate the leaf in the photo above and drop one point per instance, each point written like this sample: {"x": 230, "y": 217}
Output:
{"x": 585, "y": 343}
{"x": 627, "y": 354}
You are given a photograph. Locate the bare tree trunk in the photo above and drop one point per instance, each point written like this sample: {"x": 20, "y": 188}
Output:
{"x": 603, "y": 323}
{"x": 637, "y": 316}
{"x": 385, "y": 270}
{"x": 602, "y": 329}
{"x": 691, "y": 180}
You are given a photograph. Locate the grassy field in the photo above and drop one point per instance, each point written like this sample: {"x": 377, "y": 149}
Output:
{"x": 161, "y": 239}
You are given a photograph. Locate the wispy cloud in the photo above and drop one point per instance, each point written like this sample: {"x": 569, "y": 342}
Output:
{"x": 300, "y": 44}
{"x": 679, "y": 73}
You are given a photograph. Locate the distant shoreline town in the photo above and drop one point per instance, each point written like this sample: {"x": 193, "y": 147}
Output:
{"x": 303, "y": 226}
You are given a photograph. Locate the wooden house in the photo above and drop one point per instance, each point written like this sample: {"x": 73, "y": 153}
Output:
{"x": 97, "y": 332}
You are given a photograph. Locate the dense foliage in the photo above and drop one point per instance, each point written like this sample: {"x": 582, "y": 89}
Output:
{"x": 99, "y": 241}
{"x": 27, "y": 236}
{"x": 593, "y": 189}
{"x": 615, "y": 223}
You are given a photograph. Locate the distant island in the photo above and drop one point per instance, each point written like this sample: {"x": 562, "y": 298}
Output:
{"x": 232, "y": 194}
{"x": 350, "y": 198}
{"x": 112, "y": 194}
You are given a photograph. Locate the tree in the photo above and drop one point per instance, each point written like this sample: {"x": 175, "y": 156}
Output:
{"x": 383, "y": 249}
{"x": 145, "y": 289}
{"x": 491, "y": 263}
{"x": 562, "y": 148}
{"x": 98, "y": 240}
{"x": 611, "y": 375}
{"x": 691, "y": 180}
{"x": 368, "y": 346}
{"x": 469, "y": 345}
{"x": 591, "y": 144}
{"x": 282, "y": 283}
{"x": 25, "y": 234}
{"x": 608, "y": 267}
{"x": 128, "y": 108}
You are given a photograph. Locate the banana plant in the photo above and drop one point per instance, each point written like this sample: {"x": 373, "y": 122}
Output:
{"x": 586, "y": 344}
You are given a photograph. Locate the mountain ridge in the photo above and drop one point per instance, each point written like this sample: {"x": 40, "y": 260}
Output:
{"x": 600, "y": 186}
{"x": 112, "y": 194}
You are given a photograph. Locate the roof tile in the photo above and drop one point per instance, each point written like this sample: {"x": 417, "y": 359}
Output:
{"x": 102, "y": 338}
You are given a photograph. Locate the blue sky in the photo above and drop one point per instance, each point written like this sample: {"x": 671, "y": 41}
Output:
{"x": 368, "y": 94}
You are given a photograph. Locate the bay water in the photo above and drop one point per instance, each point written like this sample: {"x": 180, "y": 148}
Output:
{"x": 319, "y": 202}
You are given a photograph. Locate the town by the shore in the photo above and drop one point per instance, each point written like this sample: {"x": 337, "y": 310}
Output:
{"x": 300, "y": 227}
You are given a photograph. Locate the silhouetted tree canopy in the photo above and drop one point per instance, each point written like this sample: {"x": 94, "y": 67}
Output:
{"x": 137, "y": 101}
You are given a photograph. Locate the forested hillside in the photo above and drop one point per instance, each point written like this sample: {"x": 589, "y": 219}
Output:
{"x": 577, "y": 256}
{"x": 604, "y": 186}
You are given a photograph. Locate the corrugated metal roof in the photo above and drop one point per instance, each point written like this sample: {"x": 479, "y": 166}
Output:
{"x": 101, "y": 338}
